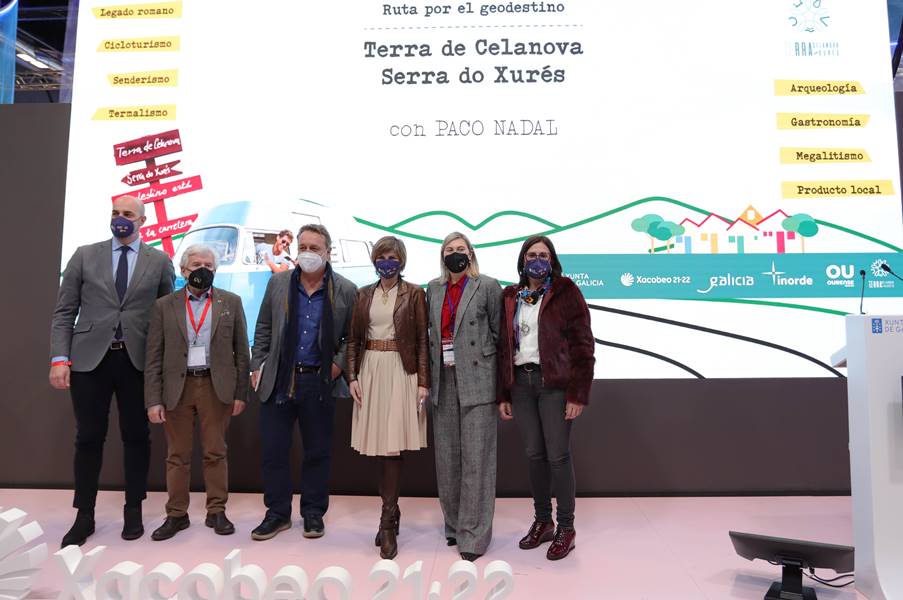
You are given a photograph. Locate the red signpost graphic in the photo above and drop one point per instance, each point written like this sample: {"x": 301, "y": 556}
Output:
{"x": 158, "y": 192}
{"x": 152, "y": 233}
{"x": 152, "y": 174}
{"x": 148, "y": 148}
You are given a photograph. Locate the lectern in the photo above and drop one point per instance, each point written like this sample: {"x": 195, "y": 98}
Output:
{"x": 873, "y": 357}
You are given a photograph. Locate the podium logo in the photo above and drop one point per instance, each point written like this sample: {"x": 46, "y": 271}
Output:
{"x": 877, "y": 326}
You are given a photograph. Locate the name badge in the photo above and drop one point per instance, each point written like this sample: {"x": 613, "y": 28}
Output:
{"x": 197, "y": 356}
{"x": 448, "y": 353}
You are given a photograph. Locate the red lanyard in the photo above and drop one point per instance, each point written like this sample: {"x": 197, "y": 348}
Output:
{"x": 197, "y": 327}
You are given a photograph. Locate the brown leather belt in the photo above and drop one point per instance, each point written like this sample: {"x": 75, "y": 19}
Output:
{"x": 383, "y": 345}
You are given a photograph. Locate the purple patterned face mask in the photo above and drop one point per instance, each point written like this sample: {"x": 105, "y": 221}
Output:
{"x": 388, "y": 267}
{"x": 122, "y": 227}
{"x": 538, "y": 268}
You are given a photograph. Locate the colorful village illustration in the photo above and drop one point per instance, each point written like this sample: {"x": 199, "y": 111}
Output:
{"x": 750, "y": 233}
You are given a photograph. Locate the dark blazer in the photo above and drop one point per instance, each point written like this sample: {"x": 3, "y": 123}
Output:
{"x": 566, "y": 342}
{"x": 270, "y": 330}
{"x": 411, "y": 324}
{"x": 476, "y": 337}
{"x": 167, "y": 349}
{"x": 88, "y": 291}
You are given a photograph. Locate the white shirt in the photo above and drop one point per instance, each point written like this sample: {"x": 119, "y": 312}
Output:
{"x": 528, "y": 322}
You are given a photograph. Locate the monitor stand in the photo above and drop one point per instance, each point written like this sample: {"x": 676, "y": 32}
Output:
{"x": 791, "y": 585}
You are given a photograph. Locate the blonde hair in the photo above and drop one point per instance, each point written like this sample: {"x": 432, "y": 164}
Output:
{"x": 388, "y": 244}
{"x": 473, "y": 270}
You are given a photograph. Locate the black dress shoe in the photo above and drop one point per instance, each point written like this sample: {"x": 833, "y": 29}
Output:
{"x": 170, "y": 527}
{"x": 313, "y": 527}
{"x": 80, "y": 530}
{"x": 450, "y": 541}
{"x": 269, "y": 527}
{"x": 220, "y": 523}
{"x": 470, "y": 556}
{"x": 132, "y": 525}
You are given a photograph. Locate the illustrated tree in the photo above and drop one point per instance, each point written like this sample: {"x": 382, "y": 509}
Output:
{"x": 657, "y": 229}
{"x": 802, "y": 225}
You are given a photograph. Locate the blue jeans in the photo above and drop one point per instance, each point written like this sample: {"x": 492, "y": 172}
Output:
{"x": 315, "y": 416}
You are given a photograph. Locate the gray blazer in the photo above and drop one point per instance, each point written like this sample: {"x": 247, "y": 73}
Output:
{"x": 89, "y": 292}
{"x": 270, "y": 328}
{"x": 476, "y": 334}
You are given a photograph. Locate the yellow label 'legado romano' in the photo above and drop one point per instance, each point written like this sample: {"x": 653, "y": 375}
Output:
{"x": 154, "y": 10}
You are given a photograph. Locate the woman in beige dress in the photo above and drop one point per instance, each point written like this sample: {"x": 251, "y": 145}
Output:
{"x": 388, "y": 372}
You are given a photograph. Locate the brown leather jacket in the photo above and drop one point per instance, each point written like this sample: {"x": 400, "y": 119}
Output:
{"x": 411, "y": 333}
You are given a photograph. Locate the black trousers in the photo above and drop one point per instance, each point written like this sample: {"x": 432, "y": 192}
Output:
{"x": 539, "y": 415}
{"x": 314, "y": 416}
{"x": 92, "y": 393}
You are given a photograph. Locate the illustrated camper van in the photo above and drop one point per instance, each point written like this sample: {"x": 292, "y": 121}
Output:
{"x": 236, "y": 230}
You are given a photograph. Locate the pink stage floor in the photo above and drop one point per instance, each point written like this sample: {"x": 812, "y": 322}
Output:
{"x": 627, "y": 548}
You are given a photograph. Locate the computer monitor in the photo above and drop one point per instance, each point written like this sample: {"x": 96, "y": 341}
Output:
{"x": 793, "y": 556}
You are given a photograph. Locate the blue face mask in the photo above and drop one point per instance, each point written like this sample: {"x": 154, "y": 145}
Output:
{"x": 122, "y": 227}
{"x": 538, "y": 268}
{"x": 387, "y": 268}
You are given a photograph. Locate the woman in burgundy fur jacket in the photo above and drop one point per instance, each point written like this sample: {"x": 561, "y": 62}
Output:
{"x": 545, "y": 372}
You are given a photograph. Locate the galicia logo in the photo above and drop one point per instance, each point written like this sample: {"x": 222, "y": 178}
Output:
{"x": 877, "y": 326}
{"x": 627, "y": 279}
{"x": 876, "y": 269}
{"x": 778, "y": 279}
{"x": 728, "y": 280}
{"x": 809, "y": 16}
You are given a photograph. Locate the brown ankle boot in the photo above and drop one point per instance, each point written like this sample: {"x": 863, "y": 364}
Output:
{"x": 379, "y": 537}
{"x": 388, "y": 546}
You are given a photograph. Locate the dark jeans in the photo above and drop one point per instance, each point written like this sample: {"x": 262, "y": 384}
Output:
{"x": 539, "y": 414}
{"x": 92, "y": 392}
{"x": 315, "y": 416}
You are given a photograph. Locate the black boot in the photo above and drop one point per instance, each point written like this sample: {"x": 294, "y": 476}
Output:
{"x": 132, "y": 523}
{"x": 80, "y": 530}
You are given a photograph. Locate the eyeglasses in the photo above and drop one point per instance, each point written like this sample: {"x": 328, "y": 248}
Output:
{"x": 535, "y": 255}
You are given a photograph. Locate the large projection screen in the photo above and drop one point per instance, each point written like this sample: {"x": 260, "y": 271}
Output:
{"x": 728, "y": 166}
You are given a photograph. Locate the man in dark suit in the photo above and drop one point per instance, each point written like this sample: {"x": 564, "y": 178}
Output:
{"x": 110, "y": 287}
{"x": 197, "y": 364}
{"x": 301, "y": 334}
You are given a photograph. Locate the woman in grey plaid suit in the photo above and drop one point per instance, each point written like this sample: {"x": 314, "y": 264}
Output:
{"x": 464, "y": 309}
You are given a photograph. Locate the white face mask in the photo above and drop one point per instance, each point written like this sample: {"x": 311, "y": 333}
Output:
{"x": 310, "y": 261}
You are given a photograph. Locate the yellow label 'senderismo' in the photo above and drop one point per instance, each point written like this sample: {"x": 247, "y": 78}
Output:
{"x": 153, "y": 10}
{"x": 836, "y": 189}
{"x": 145, "y": 79}
{"x": 151, "y": 44}
{"x": 795, "y": 87}
{"x": 160, "y": 112}
{"x": 820, "y": 120}
{"x": 794, "y": 156}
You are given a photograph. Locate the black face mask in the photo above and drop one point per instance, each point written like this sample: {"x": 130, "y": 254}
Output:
{"x": 201, "y": 279}
{"x": 456, "y": 262}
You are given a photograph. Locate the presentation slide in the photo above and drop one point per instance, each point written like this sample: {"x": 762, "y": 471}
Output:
{"x": 720, "y": 178}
